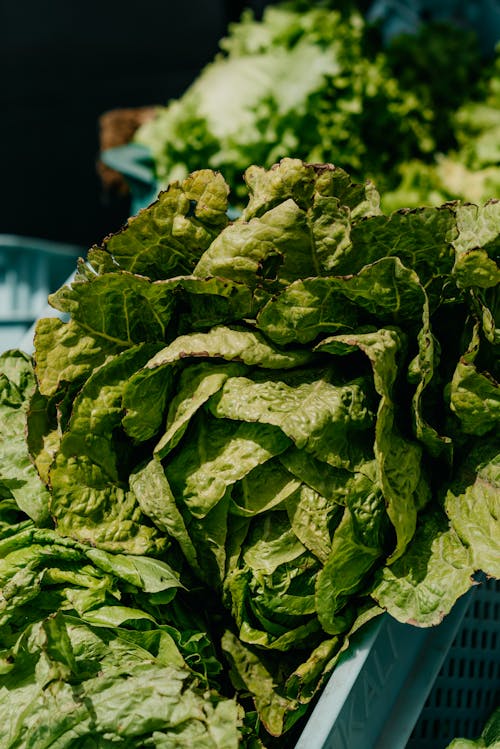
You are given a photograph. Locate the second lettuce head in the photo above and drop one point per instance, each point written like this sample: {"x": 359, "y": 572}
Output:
{"x": 420, "y": 116}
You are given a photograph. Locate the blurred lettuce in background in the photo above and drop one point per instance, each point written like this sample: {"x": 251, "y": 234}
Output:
{"x": 417, "y": 114}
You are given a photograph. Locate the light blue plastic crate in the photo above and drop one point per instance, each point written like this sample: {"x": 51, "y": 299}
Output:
{"x": 467, "y": 688}
{"x": 30, "y": 269}
{"x": 403, "y": 687}
{"x": 135, "y": 163}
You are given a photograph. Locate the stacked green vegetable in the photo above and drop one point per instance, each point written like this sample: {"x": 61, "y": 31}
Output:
{"x": 289, "y": 421}
{"x": 96, "y": 648}
{"x": 315, "y": 82}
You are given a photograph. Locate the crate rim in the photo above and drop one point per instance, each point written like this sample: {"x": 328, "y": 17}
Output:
{"x": 39, "y": 245}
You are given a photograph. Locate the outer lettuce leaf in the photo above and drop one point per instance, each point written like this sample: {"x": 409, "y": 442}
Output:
{"x": 472, "y": 505}
{"x": 148, "y": 574}
{"x": 90, "y": 497}
{"x": 210, "y": 535}
{"x": 147, "y": 309}
{"x": 276, "y": 245}
{"x": 385, "y": 288}
{"x": 18, "y": 476}
{"x": 421, "y": 587}
{"x": 333, "y": 483}
{"x": 344, "y": 572}
{"x": 309, "y": 307}
{"x": 304, "y": 310}
{"x": 66, "y": 353}
{"x": 213, "y": 301}
{"x": 271, "y": 545}
{"x": 313, "y": 519}
{"x": 195, "y": 386}
{"x": 46, "y": 419}
{"x": 477, "y": 246}
{"x": 325, "y": 419}
{"x": 123, "y": 308}
{"x": 486, "y": 305}
{"x": 168, "y": 239}
{"x": 251, "y": 674}
{"x": 233, "y": 345}
{"x": 310, "y": 676}
{"x": 474, "y": 396}
{"x": 423, "y": 370}
{"x": 291, "y": 179}
{"x": 156, "y": 500}
{"x": 85, "y": 686}
{"x": 421, "y": 238}
{"x": 397, "y": 459}
{"x": 262, "y": 489}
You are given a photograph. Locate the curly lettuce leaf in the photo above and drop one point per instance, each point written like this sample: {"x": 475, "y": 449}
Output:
{"x": 421, "y": 587}
{"x": 421, "y": 238}
{"x": 216, "y": 455}
{"x": 477, "y": 245}
{"x": 325, "y": 418}
{"x": 471, "y": 503}
{"x": 397, "y": 459}
{"x": 18, "y": 475}
{"x": 84, "y": 685}
{"x": 90, "y": 496}
{"x": 221, "y": 342}
{"x": 123, "y": 308}
{"x": 474, "y": 395}
{"x": 168, "y": 239}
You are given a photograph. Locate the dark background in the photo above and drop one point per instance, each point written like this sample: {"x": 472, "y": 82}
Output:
{"x": 62, "y": 64}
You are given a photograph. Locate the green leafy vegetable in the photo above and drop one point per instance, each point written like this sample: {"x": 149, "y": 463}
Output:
{"x": 237, "y": 457}
{"x": 418, "y": 115}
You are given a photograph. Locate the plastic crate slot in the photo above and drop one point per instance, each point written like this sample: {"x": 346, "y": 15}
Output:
{"x": 436, "y": 728}
{"x": 493, "y": 642}
{"x": 476, "y": 728}
{"x": 470, "y": 700}
{"x": 464, "y": 638}
{"x": 459, "y": 698}
{"x": 453, "y": 695}
{"x": 483, "y": 609}
{"x": 479, "y": 699}
{"x": 462, "y": 668}
{"x": 485, "y": 638}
